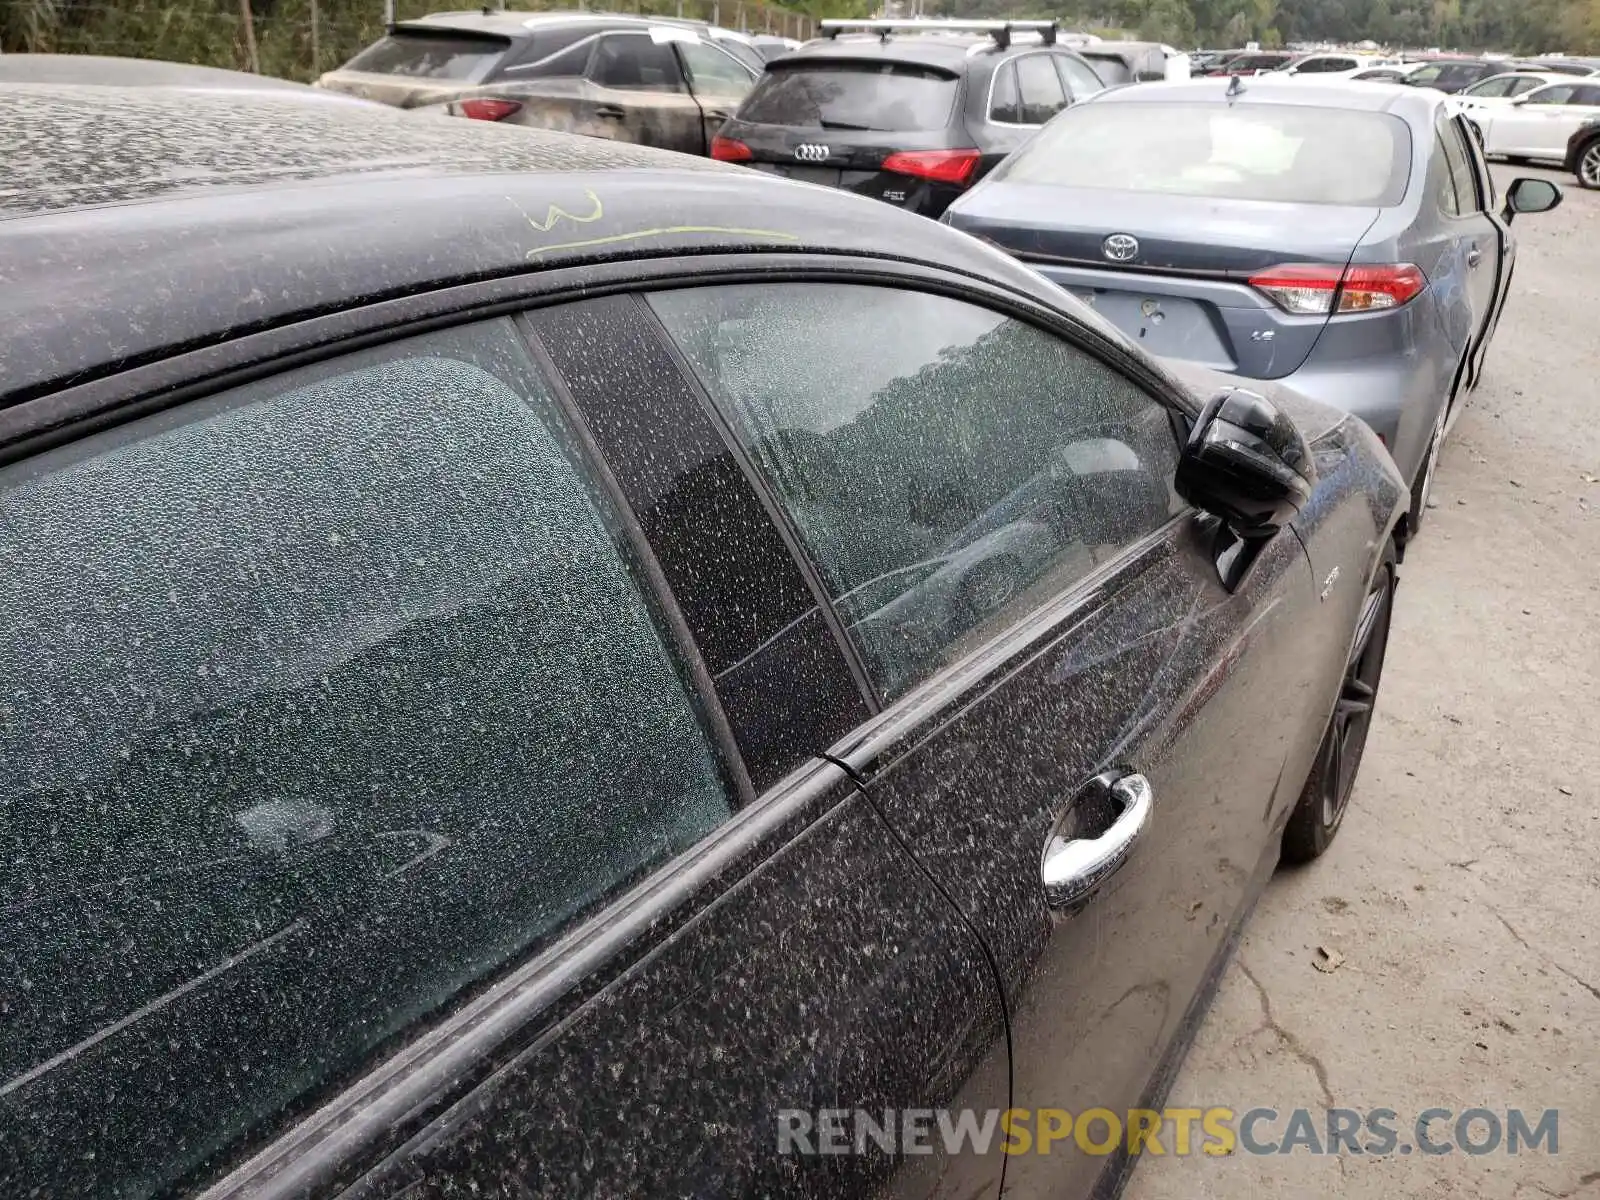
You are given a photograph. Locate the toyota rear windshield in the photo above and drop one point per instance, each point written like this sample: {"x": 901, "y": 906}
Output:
{"x": 889, "y": 96}
{"x": 432, "y": 54}
{"x": 1286, "y": 153}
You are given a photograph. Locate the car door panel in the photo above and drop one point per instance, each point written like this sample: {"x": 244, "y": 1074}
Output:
{"x": 635, "y": 92}
{"x": 1158, "y": 671}
{"x": 1496, "y": 248}
{"x": 831, "y": 978}
{"x": 1138, "y": 659}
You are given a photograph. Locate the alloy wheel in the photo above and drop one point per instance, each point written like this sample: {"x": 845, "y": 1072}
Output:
{"x": 1352, "y": 715}
{"x": 1589, "y": 166}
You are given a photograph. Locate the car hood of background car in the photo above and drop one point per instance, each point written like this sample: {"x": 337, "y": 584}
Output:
{"x": 171, "y": 221}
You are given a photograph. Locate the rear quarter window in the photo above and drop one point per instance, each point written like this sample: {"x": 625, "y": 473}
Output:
{"x": 892, "y": 97}
{"x": 1275, "y": 152}
{"x": 465, "y": 58}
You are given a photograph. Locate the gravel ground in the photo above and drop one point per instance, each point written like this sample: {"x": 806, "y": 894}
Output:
{"x": 1463, "y": 892}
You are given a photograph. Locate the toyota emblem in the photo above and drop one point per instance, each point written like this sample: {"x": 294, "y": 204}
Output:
{"x": 811, "y": 152}
{"x": 1120, "y": 247}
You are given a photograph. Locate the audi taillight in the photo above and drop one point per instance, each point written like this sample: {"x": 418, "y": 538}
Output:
{"x": 728, "y": 150}
{"x": 1309, "y": 289}
{"x": 483, "y": 109}
{"x": 938, "y": 166}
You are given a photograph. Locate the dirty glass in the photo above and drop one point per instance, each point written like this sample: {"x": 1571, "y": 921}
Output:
{"x": 1285, "y": 153}
{"x": 779, "y": 671}
{"x": 324, "y": 699}
{"x": 634, "y": 62}
{"x": 891, "y": 97}
{"x": 461, "y": 58}
{"x": 948, "y": 468}
{"x": 713, "y": 72}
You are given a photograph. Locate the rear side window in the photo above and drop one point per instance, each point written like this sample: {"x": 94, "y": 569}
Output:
{"x": 1113, "y": 70}
{"x": 1284, "y": 153}
{"x": 892, "y": 97}
{"x": 1079, "y": 78}
{"x": 947, "y": 468}
{"x": 1560, "y": 93}
{"x": 463, "y": 58}
{"x": 325, "y": 698}
{"x": 712, "y": 72}
{"x": 1461, "y": 173}
{"x": 635, "y": 62}
{"x": 1042, "y": 94}
{"x": 1588, "y": 95}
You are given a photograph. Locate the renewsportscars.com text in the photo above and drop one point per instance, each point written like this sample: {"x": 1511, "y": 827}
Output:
{"x": 1171, "y": 1131}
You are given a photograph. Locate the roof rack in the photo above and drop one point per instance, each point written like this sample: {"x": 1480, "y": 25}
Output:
{"x": 1000, "y": 31}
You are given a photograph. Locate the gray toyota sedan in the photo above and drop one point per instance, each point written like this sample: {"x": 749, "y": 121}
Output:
{"x": 1344, "y": 238}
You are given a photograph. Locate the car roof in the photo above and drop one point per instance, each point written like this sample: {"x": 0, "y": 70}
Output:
{"x": 1415, "y": 104}
{"x": 104, "y": 70}
{"x": 510, "y": 24}
{"x": 951, "y": 51}
{"x": 136, "y": 223}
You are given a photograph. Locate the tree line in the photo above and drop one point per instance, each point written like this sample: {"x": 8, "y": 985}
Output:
{"x": 1513, "y": 26}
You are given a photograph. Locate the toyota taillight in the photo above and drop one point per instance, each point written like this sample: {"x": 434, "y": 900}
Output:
{"x": 1312, "y": 288}
{"x": 938, "y": 166}
{"x": 729, "y": 150}
{"x": 484, "y": 109}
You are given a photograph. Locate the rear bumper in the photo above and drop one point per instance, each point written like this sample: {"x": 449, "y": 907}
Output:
{"x": 1392, "y": 369}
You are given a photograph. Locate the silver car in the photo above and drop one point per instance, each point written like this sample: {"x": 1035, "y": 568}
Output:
{"x": 1343, "y": 238}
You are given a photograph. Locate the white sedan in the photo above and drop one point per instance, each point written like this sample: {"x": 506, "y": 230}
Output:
{"x": 1537, "y": 124}
{"x": 1499, "y": 90}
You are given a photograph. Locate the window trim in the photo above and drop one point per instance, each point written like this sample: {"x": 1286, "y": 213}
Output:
{"x": 770, "y": 503}
{"x": 653, "y": 580}
{"x": 683, "y": 78}
{"x": 1029, "y": 627}
{"x": 988, "y": 104}
{"x": 1445, "y": 129}
{"x": 588, "y": 40}
{"x": 709, "y": 44}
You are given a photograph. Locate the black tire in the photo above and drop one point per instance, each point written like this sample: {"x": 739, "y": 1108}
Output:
{"x": 1320, "y": 810}
{"x": 1586, "y": 164}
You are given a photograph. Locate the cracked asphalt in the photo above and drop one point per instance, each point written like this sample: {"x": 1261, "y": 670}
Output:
{"x": 1463, "y": 893}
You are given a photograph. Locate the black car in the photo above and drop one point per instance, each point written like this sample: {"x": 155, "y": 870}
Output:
{"x": 1583, "y": 153}
{"x": 1451, "y": 75}
{"x": 1251, "y": 63}
{"x": 544, "y": 667}
{"x": 911, "y": 112}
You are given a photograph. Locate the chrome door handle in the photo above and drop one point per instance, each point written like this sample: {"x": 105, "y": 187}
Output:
{"x": 1474, "y": 256}
{"x": 1073, "y": 868}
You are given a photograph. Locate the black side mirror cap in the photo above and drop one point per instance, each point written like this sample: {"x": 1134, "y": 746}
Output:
{"x": 1247, "y": 463}
{"x": 1530, "y": 195}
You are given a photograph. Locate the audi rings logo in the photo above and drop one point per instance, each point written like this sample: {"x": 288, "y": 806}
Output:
{"x": 811, "y": 152}
{"x": 1120, "y": 247}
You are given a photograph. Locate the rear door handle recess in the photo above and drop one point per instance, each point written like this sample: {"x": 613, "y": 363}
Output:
{"x": 610, "y": 112}
{"x": 1073, "y": 868}
{"x": 1474, "y": 257}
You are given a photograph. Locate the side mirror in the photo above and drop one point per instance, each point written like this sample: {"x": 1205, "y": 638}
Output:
{"x": 1529, "y": 195}
{"x": 1248, "y": 463}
